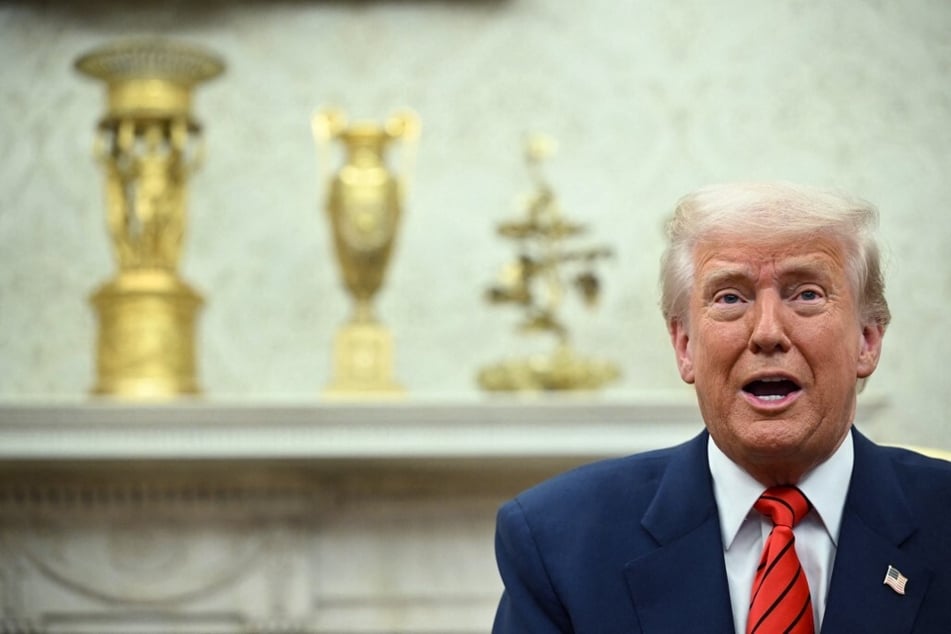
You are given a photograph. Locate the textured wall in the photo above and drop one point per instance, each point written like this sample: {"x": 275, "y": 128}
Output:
{"x": 647, "y": 100}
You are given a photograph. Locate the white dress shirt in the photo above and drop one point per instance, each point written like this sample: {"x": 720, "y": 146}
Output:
{"x": 744, "y": 529}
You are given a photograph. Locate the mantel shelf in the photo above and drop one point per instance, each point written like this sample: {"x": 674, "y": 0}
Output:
{"x": 374, "y": 517}
{"x": 491, "y": 429}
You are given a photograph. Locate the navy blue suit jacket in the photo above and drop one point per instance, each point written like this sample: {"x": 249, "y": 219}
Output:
{"x": 633, "y": 545}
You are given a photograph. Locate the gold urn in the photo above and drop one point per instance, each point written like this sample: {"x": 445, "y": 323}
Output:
{"x": 364, "y": 202}
{"x": 148, "y": 144}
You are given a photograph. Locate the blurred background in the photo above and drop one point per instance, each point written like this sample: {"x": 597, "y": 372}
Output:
{"x": 646, "y": 101}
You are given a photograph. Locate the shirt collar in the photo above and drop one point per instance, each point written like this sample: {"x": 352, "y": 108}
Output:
{"x": 736, "y": 490}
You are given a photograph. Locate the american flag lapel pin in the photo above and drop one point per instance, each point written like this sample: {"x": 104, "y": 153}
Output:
{"x": 895, "y": 580}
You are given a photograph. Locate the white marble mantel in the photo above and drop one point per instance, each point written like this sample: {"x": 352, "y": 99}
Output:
{"x": 252, "y": 517}
{"x": 403, "y": 431}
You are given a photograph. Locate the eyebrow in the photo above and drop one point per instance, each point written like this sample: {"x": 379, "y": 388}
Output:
{"x": 721, "y": 278}
{"x": 725, "y": 275}
{"x": 799, "y": 267}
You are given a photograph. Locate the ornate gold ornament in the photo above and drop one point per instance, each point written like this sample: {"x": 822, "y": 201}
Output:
{"x": 148, "y": 144}
{"x": 537, "y": 281}
{"x": 364, "y": 202}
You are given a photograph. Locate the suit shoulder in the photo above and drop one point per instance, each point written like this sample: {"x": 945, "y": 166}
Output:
{"x": 909, "y": 461}
{"x": 606, "y": 483}
{"x": 925, "y": 481}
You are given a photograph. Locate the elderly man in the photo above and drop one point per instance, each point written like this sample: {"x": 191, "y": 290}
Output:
{"x": 780, "y": 516}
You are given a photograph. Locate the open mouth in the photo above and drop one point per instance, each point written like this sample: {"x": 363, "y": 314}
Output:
{"x": 771, "y": 389}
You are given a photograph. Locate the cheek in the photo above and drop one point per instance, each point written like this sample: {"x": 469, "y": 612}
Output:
{"x": 833, "y": 347}
{"x": 713, "y": 369}
{"x": 833, "y": 362}
{"x": 720, "y": 348}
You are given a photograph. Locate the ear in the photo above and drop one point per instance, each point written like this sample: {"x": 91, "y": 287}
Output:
{"x": 680, "y": 339}
{"x": 870, "y": 349}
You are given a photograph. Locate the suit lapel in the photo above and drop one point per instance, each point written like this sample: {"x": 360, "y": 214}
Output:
{"x": 876, "y": 521}
{"x": 681, "y": 586}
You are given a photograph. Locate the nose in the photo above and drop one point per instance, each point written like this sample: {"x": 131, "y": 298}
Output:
{"x": 768, "y": 332}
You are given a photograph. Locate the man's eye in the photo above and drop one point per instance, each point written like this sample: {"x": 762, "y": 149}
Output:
{"x": 810, "y": 295}
{"x": 729, "y": 298}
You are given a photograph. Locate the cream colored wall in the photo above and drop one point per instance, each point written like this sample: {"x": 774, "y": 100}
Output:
{"x": 647, "y": 100}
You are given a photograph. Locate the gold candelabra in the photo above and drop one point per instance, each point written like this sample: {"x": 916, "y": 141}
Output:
{"x": 537, "y": 281}
{"x": 364, "y": 202}
{"x": 148, "y": 144}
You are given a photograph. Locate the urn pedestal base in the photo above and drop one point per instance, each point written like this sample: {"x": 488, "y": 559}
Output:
{"x": 363, "y": 363}
{"x": 146, "y": 340}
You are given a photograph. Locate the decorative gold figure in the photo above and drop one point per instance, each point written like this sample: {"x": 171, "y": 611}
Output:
{"x": 535, "y": 282}
{"x": 364, "y": 202}
{"x": 148, "y": 144}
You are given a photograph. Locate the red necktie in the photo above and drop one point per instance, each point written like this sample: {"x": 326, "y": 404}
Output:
{"x": 780, "y": 601}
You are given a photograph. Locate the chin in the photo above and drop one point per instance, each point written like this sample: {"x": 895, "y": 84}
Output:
{"x": 773, "y": 440}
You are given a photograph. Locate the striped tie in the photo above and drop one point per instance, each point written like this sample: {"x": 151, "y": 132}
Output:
{"x": 780, "y": 601}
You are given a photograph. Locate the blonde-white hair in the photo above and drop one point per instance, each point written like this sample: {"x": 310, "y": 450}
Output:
{"x": 773, "y": 211}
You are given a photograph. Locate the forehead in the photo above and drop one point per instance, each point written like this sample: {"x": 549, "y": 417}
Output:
{"x": 812, "y": 255}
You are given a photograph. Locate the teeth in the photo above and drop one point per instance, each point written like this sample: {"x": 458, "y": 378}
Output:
{"x": 770, "y": 397}
{"x": 772, "y": 379}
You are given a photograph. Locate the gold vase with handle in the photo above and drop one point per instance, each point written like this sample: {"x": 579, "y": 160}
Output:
{"x": 364, "y": 201}
{"x": 148, "y": 144}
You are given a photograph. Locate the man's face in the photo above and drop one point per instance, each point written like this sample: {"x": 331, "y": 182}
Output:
{"x": 774, "y": 345}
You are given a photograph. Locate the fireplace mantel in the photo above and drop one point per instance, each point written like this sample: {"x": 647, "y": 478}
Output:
{"x": 398, "y": 431}
{"x": 238, "y": 517}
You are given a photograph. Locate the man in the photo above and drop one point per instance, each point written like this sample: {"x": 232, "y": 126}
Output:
{"x": 779, "y": 517}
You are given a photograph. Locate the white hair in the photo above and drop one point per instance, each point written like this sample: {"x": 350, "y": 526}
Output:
{"x": 773, "y": 211}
